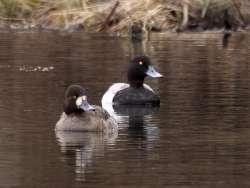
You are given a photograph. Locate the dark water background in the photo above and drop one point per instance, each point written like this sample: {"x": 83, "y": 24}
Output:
{"x": 200, "y": 136}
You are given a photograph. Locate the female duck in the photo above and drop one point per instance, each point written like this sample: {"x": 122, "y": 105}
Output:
{"x": 79, "y": 115}
{"x": 135, "y": 92}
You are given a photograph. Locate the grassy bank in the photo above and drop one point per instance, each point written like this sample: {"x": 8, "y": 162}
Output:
{"x": 118, "y": 16}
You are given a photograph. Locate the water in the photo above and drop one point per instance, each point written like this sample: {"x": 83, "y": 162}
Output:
{"x": 199, "y": 137}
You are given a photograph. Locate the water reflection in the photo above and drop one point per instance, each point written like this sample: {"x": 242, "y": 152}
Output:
{"x": 225, "y": 39}
{"x": 80, "y": 149}
{"x": 139, "y": 120}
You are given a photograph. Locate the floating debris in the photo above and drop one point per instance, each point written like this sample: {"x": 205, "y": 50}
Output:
{"x": 35, "y": 69}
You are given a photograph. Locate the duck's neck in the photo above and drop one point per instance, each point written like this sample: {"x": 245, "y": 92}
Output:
{"x": 136, "y": 83}
{"x": 135, "y": 78}
{"x": 69, "y": 110}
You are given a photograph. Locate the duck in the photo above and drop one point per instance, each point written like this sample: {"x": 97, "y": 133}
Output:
{"x": 135, "y": 92}
{"x": 79, "y": 115}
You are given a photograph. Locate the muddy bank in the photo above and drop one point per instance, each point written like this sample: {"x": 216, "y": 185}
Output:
{"x": 118, "y": 16}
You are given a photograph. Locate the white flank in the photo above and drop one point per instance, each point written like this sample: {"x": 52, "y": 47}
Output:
{"x": 148, "y": 87}
{"x": 107, "y": 99}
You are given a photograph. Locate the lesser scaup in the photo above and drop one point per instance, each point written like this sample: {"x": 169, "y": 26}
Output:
{"x": 79, "y": 115}
{"x": 135, "y": 92}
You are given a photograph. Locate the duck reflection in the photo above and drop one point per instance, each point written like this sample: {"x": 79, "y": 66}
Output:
{"x": 80, "y": 149}
{"x": 139, "y": 119}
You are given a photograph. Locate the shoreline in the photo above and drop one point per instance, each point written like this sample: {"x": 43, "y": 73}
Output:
{"x": 119, "y": 16}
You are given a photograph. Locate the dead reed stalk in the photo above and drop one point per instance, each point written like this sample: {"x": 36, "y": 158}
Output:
{"x": 118, "y": 16}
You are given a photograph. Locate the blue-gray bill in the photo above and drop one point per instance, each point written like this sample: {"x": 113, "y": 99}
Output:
{"x": 86, "y": 106}
{"x": 153, "y": 73}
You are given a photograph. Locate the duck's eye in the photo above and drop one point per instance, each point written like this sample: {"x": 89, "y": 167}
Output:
{"x": 140, "y": 62}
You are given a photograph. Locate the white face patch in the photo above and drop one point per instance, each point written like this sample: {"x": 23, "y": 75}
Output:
{"x": 79, "y": 100}
{"x": 84, "y": 98}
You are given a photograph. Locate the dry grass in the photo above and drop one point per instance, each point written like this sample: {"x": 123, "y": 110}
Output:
{"x": 90, "y": 15}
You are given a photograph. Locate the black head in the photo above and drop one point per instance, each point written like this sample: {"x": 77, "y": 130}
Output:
{"x": 139, "y": 68}
{"x": 75, "y": 100}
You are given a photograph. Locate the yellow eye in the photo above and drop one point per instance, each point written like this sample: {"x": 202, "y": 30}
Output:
{"x": 141, "y": 63}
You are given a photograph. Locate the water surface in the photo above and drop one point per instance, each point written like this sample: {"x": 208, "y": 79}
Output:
{"x": 199, "y": 137}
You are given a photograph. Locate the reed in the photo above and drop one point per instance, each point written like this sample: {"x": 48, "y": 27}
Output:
{"x": 96, "y": 15}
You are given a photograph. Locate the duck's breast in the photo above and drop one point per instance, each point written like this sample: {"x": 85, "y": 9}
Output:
{"x": 98, "y": 120}
{"x": 136, "y": 96}
{"x": 75, "y": 123}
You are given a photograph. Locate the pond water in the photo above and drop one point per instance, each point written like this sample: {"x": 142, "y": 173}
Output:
{"x": 199, "y": 137}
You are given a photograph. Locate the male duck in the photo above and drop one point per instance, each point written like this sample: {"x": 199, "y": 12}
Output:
{"x": 135, "y": 92}
{"x": 79, "y": 115}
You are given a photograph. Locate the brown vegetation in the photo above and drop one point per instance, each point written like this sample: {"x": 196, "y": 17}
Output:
{"x": 94, "y": 15}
